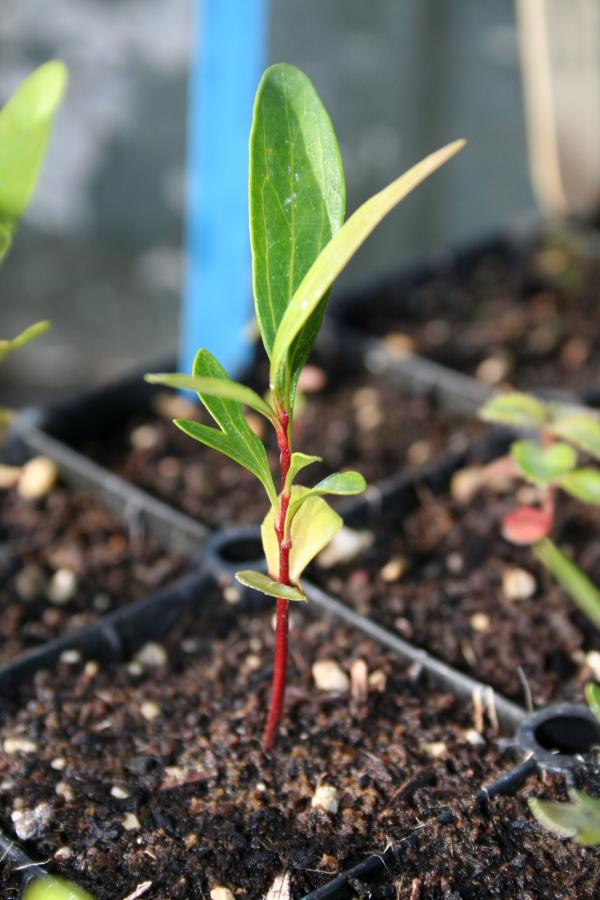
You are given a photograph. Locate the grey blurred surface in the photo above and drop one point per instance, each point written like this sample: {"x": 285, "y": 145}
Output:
{"x": 100, "y": 250}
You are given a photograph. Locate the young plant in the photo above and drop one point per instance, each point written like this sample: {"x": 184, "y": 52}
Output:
{"x": 579, "y": 818}
{"x": 25, "y": 124}
{"x": 300, "y": 244}
{"x": 549, "y": 460}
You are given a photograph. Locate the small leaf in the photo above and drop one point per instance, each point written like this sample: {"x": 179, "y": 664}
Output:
{"x": 233, "y": 437}
{"x": 342, "y": 484}
{"x": 25, "y": 337}
{"x": 297, "y": 195}
{"x": 578, "y": 819}
{"x": 216, "y": 387}
{"x": 269, "y": 586}
{"x": 526, "y": 525}
{"x": 578, "y": 586}
{"x": 25, "y": 124}
{"x": 592, "y": 695}
{"x": 583, "y": 484}
{"x": 581, "y": 430}
{"x": 52, "y": 887}
{"x": 542, "y": 465}
{"x": 333, "y": 259}
{"x": 299, "y": 461}
{"x": 314, "y": 525}
{"x": 519, "y": 410}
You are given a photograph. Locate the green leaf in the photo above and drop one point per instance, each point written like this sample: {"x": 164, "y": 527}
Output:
{"x": 234, "y": 437}
{"x": 541, "y": 465}
{"x": 592, "y": 695}
{"x": 29, "y": 334}
{"x": 25, "y": 124}
{"x": 578, "y": 586}
{"x": 520, "y": 410}
{"x": 299, "y": 461}
{"x": 266, "y": 585}
{"x": 578, "y": 819}
{"x": 583, "y": 484}
{"x": 341, "y": 484}
{"x": 581, "y": 430}
{"x": 332, "y": 260}
{"x": 315, "y": 524}
{"x": 297, "y": 197}
{"x": 52, "y": 887}
{"x": 215, "y": 387}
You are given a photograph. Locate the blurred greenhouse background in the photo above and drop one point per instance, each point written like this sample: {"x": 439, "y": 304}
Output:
{"x": 100, "y": 251}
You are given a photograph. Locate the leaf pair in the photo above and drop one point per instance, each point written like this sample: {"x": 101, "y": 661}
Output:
{"x": 25, "y": 123}
{"x": 297, "y": 204}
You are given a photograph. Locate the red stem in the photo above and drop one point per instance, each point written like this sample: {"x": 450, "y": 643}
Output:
{"x": 281, "y": 630}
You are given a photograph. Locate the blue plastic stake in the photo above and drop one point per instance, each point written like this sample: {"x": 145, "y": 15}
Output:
{"x": 231, "y": 41}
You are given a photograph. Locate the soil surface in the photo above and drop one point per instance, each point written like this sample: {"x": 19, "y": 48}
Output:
{"x": 443, "y": 577}
{"x": 153, "y": 771}
{"x": 524, "y": 320}
{"x": 64, "y": 561}
{"x": 366, "y": 423}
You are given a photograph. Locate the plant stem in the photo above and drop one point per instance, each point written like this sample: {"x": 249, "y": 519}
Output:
{"x": 281, "y": 630}
{"x": 578, "y": 586}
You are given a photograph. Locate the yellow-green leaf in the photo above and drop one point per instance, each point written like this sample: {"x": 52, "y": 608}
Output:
{"x": 25, "y": 124}
{"x": 583, "y": 484}
{"x": 542, "y": 465}
{"x": 333, "y": 259}
{"x": 313, "y": 527}
{"x": 592, "y": 695}
{"x": 342, "y": 484}
{"x": 215, "y": 387}
{"x": 52, "y": 887}
{"x": 299, "y": 461}
{"x": 578, "y": 819}
{"x": 259, "y": 582}
{"x": 581, "y": 430}
{"x": 519, "y": 410}
{"x": 25, "y": 337}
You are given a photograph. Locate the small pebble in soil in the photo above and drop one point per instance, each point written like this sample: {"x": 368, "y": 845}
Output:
{"x": 473, "y": 737}
{"x": 465, "y": 483}
{"x": 64, "y": 790}
{"x": 91, "y": 669}
{"x": 592, "y": 661}
{"x": 62, "y": 587}
{"x": 150, "y": 710}
{"x": 144, "y": 437}
{"x": 494, "y": 369}
{"x": 419, "y": 453}
{"x": 19, "y": 744}
{"x": 394, "y": 569}
{"x": 131, "y": 822}
{"x": 435, "y": 749}
{"x": 38, "y": 477}
{"x": 378, "y": 681}
{"x": 232, "y": 594}
{"x": 221, "y": 893}
{"x": 399, "y": 344}
{"x": 170, "y": 405}
{"x": 58, "y": 763}
{"x": 280, "y": 889}
{"x": 518, "y": 584}
{"x": 151, "y": 656}
{"x": 359, "y": 680}
{"x": 119, "y": 793}
{"x": 101, "y": 602}
{"x": 312, "y": 379}
{"x": 480, "y": 621}
{"x": 70, "y": 657}
{"x": 31, "y": 823}
{"x": 31, "y": 582}
{"x": 325, "y": 797}
{"x": 328, "y": 675}
{"x": 454, "y": 562}
{"x": 346, "y": 546}
{"x": 63, "y": 853}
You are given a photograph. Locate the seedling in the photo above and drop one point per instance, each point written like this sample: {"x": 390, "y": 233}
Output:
{"x": 579, "y": 818}
{"x": 300, "y": 245}
{"x": 549, "y": 460}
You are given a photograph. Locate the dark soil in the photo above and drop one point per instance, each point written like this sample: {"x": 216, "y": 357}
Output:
{"x": 450, "y": 599}
{"x": 366, "y": 423}
{"x": 206, "y": 807}
{"x": 526, "y": 320}
{"x": 71, "y": 532}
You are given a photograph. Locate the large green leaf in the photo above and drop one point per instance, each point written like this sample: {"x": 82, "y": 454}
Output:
{"x": 315, "y": 524}
{"x": 584, "y": 484}
{"x": 25, "y": 124}
{"x": 520, "y": 410}
{"x": 578, "y": 819}
{"x": 332, "y": 260}
{"x": 269, "y": 586}
{"x": 29, "y": 334}
{"x": 234, "y": 437}
{"x": 296, "y": 193}
{"x": 581, "y": 430}
{"x": 215, "y": 387}
{"x": 541, "y": 465}
{"x": 342, "y": 484}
